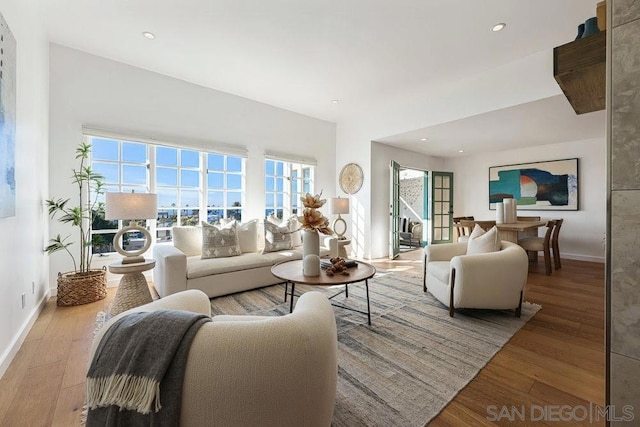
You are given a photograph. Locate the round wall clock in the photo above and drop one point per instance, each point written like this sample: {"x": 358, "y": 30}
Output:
{"x": 351, "y": 178}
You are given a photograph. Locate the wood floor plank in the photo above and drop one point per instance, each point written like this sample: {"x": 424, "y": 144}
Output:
{"x": 69, "y": 407}
{"x": 35, "y": 401}
{"x": 553, "y": 360}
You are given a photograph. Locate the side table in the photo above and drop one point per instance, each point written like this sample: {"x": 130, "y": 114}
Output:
{"x": 133, "y": 289}
{"x": 342, "y": 250}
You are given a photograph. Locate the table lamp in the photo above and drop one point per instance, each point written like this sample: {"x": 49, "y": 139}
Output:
{"x": 132, "y": 206}
{"x": 338, "y": 205}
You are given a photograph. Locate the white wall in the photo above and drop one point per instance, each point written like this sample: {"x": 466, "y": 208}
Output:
{"x": 583, "y": 231}
{"x": 381, "y": 156}
{"x": 97, "y": 92}
{"x": 493, "y": 89}
{"x": 23, "y": 235}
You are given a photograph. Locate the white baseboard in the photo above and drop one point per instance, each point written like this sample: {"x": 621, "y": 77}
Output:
{"x": 15, "y": 345}
{"x": 588, "y": 258}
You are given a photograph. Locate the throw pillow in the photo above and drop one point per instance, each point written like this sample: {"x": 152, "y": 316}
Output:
{"x": 248, "y": 236}
{"x": 276, "y": 237}
{"x": 188, "y": 239}
{"x": 296, "y": 231}
{"x": 219, "y": 242}
{"x": 274, "y": 219}
{"x": 481, "y": 242}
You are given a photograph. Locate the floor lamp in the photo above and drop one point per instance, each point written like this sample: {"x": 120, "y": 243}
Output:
{"x": 131, "y": 206}
{"x": 338, "y": 205}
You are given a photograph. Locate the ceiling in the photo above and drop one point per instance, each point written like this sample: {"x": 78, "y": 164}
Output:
{"x": 300, "y": 55}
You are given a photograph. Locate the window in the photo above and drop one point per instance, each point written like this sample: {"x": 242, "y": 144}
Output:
{"x": 224, "y": 187}
{"x": 285, "y": 183}
{"x": 192, "y": 186}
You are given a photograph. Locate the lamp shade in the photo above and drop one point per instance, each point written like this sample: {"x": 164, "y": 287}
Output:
{"x": 131, "y": 206}
{"x": 338, "y": 205}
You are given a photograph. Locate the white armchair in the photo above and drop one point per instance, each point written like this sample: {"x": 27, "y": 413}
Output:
{"x": 256, "y": 370}
{"x": 493, "y": 280}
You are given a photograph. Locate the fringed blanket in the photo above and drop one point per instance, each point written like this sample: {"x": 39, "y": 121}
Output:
{"x": 135, "y": 377}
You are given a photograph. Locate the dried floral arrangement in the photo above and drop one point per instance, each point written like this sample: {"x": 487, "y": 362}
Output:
{"x": 337, "y": 267}
{"x": 312, "y": 219}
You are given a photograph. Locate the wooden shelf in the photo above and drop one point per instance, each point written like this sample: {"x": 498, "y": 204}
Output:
{"x": 579, "y": 67}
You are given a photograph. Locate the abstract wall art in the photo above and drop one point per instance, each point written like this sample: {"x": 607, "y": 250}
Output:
{"x": 547, "y": 186}
{"x": 7, "y": 120}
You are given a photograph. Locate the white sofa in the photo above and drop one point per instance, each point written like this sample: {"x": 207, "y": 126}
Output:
{"x": 493, "y": 280}
{"x": 181, "y": 269}
{"x": 252, "y": 370}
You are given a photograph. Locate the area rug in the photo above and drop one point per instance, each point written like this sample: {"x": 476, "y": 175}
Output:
{"x": 411, "y": 361}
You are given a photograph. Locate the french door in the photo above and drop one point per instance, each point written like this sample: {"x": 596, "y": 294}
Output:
{"x": 441, "y": 207}
{"x": 394, "y": 210}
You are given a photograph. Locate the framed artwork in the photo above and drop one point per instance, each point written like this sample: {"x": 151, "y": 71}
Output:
{"x": 7, "y": 120}
{"x": 546, "y": 186}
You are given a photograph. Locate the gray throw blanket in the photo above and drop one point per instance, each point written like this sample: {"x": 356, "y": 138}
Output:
{"x": 135, "y": 377}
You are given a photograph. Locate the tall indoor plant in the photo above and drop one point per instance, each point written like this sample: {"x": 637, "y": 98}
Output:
{"x": 83, "y": 285}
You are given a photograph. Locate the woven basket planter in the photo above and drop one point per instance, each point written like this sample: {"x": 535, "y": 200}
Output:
{"x": 81, "y": 288}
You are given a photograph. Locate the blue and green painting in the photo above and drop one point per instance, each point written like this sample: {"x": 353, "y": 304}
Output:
{"x": 530, "y": 187}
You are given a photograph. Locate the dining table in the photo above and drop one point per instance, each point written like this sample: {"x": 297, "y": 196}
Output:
{"x": 512, "y": 231}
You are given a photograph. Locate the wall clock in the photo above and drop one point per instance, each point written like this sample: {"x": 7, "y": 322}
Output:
{"x": 351, "y": 178}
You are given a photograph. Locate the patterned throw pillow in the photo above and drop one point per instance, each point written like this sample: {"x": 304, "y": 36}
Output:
{"x": 220, "y": 242}
{"x": 276, "y": 237}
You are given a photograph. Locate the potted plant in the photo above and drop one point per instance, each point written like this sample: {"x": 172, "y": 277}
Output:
{"x": 83, "y": 285}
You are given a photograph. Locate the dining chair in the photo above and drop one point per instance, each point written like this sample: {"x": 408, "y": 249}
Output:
{"x": 462, "y": 230}
{"x": 555, "y": 246}
{"x": 535, "y": 244}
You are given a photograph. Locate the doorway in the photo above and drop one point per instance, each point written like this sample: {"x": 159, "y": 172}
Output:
{"x": 420, "y": 208}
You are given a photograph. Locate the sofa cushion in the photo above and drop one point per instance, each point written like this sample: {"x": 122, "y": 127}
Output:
{"x": 198, "y": 267}
{"x": 276, "y": 237}
{"x": 440, "y": 270}
{"x": 220, "y": 242}
{"x": 481, "y": 242}
{"x": 188, "y": 239}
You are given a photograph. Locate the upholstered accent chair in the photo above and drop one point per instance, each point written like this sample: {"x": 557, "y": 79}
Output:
{"x": 493, "y": 280}
{"x": 257, "y": 370}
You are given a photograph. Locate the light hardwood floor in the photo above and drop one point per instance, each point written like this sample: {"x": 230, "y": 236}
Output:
{"x": 556, "y": 359}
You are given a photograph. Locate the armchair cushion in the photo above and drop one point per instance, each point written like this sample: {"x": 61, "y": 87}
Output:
{"x": 481, "y": 242}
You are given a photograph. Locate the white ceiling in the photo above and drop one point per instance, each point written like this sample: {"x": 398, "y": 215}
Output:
{"x": 546, "y": 121}
{"x": 301, "y": 54}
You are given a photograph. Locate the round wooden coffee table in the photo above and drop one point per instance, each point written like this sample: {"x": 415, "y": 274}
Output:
{"x": 291, "y": 272}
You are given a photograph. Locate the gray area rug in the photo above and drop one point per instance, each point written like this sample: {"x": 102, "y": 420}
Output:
{"x": 411, "y": 361}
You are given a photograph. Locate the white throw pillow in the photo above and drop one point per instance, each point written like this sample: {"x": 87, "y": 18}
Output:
{"x": 248, "y": 236}
{"x": 220, "y": 242}
{"x": 481, "y": 242}
{"x": 188, "y": 239}
{"x": 296, "y": 231}
{"x": 276, "y": 237}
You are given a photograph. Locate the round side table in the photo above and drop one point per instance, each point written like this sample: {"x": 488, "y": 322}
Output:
{"x": 133, "y": 289}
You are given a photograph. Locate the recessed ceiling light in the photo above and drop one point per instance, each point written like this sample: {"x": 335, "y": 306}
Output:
{"x": 423, "y": 139}
{"x": 335, "y": 101}
{"x": 498, "y": 27}
{"x": 460, "y": 151}
{"x": 149, "y": 35}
